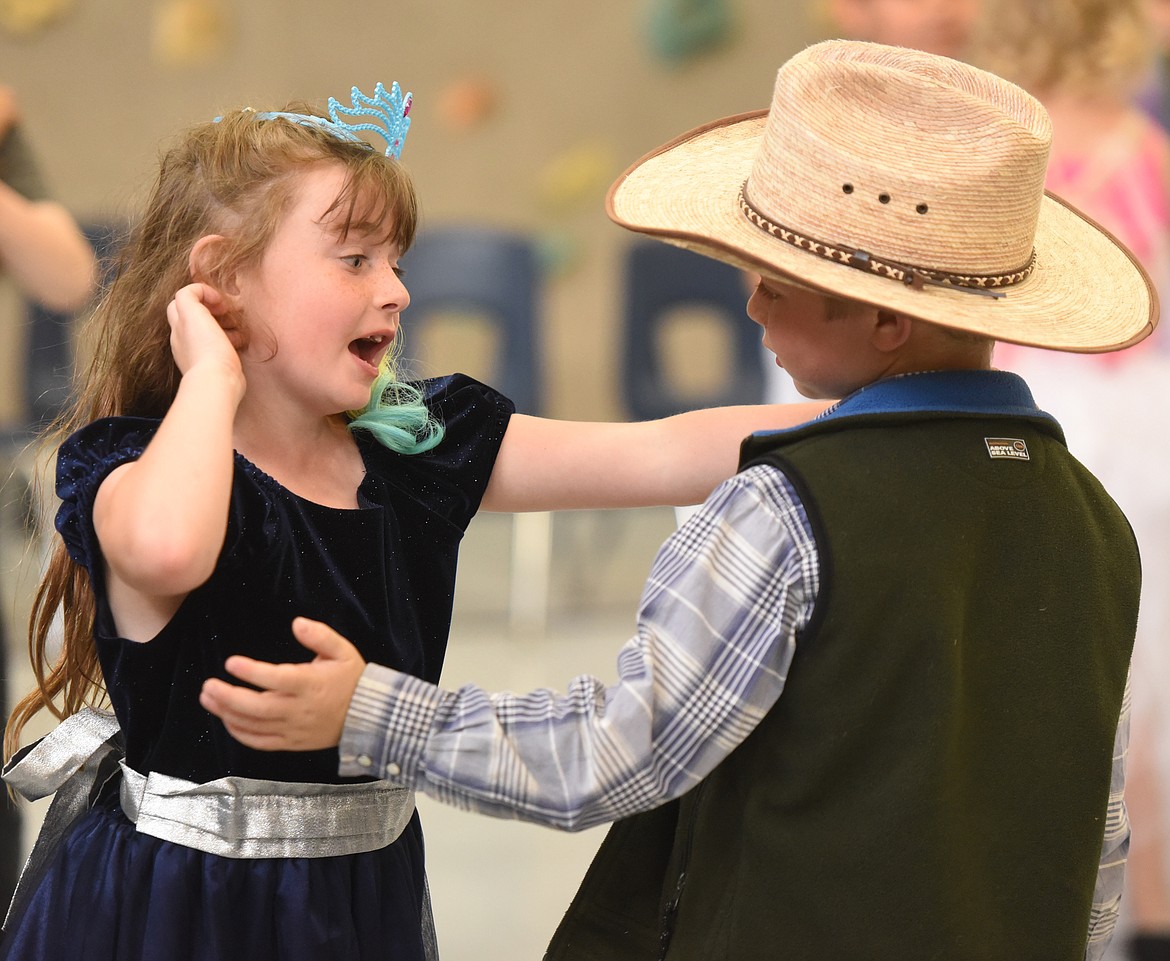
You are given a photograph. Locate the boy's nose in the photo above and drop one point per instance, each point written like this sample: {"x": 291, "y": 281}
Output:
{"x": 754, "y": 310}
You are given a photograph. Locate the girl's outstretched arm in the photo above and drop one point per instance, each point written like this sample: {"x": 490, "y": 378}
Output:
{"x": 161, "y": 520}
{"x": 563, "y": 465}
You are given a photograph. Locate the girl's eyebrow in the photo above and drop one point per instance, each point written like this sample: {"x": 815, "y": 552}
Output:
{"x": 360, "y": 231}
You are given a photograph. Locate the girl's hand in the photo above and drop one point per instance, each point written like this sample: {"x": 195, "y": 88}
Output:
{"x": 200, "y": 333}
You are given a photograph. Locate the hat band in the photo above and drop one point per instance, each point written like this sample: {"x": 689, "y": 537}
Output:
{"x": 909, "y": 274}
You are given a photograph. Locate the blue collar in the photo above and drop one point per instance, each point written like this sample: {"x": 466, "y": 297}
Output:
{"x": 948, "y": 391}
{"x": 994, "y": 392}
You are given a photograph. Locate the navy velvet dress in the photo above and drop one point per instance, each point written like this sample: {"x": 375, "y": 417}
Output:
{"x": 383, "y": 575}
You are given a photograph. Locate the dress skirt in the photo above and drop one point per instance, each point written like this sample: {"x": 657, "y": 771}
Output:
{"x": 113, "y": 894}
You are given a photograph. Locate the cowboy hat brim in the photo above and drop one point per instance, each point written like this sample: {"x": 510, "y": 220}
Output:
{"x": 1087, "y": 292}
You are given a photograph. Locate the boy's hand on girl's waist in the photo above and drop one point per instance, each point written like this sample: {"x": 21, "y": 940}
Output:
{"x": 300, "y": 707}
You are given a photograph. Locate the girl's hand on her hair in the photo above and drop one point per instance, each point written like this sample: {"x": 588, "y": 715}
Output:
{"x": 199, "y": 337}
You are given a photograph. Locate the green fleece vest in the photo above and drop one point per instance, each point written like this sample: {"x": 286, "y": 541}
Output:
{"x": 932, "y": 783}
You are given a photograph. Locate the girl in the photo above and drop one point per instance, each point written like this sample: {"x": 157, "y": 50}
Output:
{"x": 213, "y": 487}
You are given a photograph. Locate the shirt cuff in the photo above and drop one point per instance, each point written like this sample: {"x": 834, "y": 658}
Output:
{"x": 387, "y": 726}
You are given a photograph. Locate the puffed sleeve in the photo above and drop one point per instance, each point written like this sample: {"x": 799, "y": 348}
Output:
{"x": 84, "y": 460}
{"x": 451, "y": 478}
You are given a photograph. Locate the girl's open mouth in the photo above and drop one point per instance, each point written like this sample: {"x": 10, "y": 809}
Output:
{"x": 371, "y": 349}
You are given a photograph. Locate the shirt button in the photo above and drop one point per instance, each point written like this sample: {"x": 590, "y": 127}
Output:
{"x": 393, "y": 769}
{"x": 365, "y": 760}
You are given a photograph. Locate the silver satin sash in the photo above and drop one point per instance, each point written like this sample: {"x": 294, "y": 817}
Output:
{"x": 231, "y": 817}
{"x": 236, "y": 817}
{"x": 66, "y": 763}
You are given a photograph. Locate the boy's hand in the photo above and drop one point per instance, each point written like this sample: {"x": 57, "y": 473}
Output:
{"x": 302, "y": 706}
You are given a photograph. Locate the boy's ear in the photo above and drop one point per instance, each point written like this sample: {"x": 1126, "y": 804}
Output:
{"x": 206, "y": 266}
{"x": 890, "y": 331}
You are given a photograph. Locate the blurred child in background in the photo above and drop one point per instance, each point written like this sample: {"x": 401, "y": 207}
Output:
{"x": 936, "y": 26}
{"x": 1154, "y": 96}
{"x": 41, "y": 247}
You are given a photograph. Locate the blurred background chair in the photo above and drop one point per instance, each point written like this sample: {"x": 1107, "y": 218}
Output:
{"x": 475, "y": 296}
{"x": 687, "y": 342}
{"x": 475, "y": 307}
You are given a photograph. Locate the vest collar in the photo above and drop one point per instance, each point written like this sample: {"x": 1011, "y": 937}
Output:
{"x": 951, "y": 391}
{"x": 965, "y": 392}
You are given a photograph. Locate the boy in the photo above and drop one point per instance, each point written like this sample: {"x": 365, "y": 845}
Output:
{"x": 872, "y": 705}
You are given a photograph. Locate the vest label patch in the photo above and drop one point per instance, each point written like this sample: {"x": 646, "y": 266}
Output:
{"x": 1010, "y": 447}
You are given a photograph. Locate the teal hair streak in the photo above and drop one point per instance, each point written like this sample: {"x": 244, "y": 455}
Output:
{"x": 397, "y": 416}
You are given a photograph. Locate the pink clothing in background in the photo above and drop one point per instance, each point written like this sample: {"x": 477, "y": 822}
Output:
{"x": 1123, "y": 183}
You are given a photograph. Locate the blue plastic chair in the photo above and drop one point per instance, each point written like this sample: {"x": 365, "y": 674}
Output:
{"x": 493, "y": 275}
{"x": 659, "y": 280}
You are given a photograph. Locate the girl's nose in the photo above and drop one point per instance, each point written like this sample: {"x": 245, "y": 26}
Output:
{"x": 395, "y": 297}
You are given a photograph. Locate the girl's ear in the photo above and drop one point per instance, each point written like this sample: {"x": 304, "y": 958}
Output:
{"x": 206, "y": 266}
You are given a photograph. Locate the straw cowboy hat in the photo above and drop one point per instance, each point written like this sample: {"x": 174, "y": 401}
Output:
{"x": 904, "y": 180}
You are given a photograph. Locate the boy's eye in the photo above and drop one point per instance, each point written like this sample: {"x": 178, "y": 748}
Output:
{"x": 354, "y": 260}
{"x": 399, "y": 272}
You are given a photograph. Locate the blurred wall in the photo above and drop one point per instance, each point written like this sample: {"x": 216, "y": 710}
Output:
{"x": 579, "y": 93}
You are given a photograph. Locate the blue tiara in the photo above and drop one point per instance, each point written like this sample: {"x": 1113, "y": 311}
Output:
{"x": 390, "y": 113}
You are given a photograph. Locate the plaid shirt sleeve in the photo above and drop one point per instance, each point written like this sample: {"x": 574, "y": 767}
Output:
{"x": 1111, "y": 873}
{"x": 717, "y": 627}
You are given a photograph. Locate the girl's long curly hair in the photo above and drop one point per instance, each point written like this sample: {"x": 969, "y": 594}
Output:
{"x": 235, "y": 177}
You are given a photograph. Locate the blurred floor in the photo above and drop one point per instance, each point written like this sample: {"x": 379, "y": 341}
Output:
{"x": 499, "y": 887}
